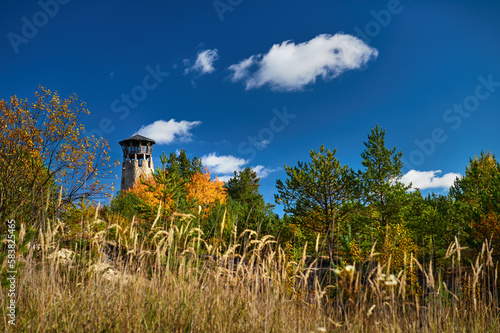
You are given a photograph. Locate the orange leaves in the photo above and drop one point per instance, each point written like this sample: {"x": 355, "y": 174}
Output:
{"x": 48, "y": 130}
{"x": 487, "y": 227}
{"x": 147, "y": 190}
{"x": 167, "y": 189}
{"x": 205, "y": 191}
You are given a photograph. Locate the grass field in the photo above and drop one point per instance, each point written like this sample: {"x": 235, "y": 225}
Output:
{"x": 170, "y": 280}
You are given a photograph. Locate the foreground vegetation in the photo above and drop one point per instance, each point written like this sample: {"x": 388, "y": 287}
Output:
{"x": 161, "y": 283}
{"x": 356, "y": 251}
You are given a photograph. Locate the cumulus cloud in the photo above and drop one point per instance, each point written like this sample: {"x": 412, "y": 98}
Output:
{"x": 428, "y": 179}
{"x": 204, "y": 62}
{"x": 224, "y": 166}
{"x": 165, "y": 132}
{"x": 289, "y": 66}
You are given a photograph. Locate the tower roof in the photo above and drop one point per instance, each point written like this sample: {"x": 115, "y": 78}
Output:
{"x": 137, "y": 137}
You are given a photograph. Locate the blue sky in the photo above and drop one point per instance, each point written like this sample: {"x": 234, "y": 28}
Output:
{"x": 261, "y": 83}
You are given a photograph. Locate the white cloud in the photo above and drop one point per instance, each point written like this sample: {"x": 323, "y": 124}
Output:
{"x": 224, "y": 164}
{"x": 263, "y": 172}
{"x": 225, "y": 178}
{"x": 204, "y": 62}
{"x": 289, "y": 66}
{"x": 428, "y": 179}
{"x": 241, "y": 69}
{"x": 165, "y": 132}
{"x": 262, "y": 144}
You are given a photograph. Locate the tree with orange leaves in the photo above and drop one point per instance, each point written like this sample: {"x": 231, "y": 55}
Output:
{"x": 166, "y": 188}
{"x": 179, "y": 185}
{"x": 149, "y": 197}
{"x": 205, "y": 192}
{"x": 43, "y": 148}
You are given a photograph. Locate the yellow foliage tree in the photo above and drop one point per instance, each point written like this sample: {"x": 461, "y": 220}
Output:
{"x": 43, "y": 146}
{"x": 165, "y": 188}
{"x": 147, "y": 190}
{"x": 397, "y": 244}
{"x": 205, "y": 192}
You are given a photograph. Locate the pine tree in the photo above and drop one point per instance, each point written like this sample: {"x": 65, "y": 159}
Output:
{"x": 182, "y": 165}
{"x": 247, "y": 204}
{"x": 244, "y": 187}
{"x": 381, "y": 190}
{"x": 314, "y": 192}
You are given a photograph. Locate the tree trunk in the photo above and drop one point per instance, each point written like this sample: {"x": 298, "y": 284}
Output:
{"x": 331, "y": 241}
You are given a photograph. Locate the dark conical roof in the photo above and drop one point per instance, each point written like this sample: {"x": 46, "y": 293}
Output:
{"x": 137, "y": 137}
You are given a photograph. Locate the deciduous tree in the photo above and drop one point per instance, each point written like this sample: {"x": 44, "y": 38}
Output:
{"x": 477, "y": 196}
{"x": 203, "y": 191}
{"x": 43, "y": 146}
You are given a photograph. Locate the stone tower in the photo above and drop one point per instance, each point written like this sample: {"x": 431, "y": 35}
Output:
{"x": 137, "y": 159}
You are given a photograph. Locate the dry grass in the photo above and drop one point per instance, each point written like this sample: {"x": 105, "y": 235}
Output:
{"x": 160, "y": 282}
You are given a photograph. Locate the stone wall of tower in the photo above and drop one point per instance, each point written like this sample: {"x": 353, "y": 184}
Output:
{"x": 131, "y": 171}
